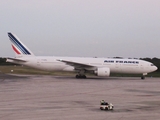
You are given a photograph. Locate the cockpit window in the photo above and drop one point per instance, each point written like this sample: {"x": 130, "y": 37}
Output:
{"x": 152, "y": 64}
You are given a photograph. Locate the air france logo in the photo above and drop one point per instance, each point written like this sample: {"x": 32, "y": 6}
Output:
{"x": 120, "y": 61}
{"x": 17, "y": 46}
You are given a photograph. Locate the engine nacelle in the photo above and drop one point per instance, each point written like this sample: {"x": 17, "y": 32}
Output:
{"x": 103, "y": 72}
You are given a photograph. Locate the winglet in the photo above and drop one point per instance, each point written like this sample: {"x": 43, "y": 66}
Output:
{"x": 19, "y": 48}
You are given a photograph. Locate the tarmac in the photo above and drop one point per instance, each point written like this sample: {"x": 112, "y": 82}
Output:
{"x": 39, "y": 97}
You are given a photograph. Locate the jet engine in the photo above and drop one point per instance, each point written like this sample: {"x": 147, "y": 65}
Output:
{"x": 103, "y": 72}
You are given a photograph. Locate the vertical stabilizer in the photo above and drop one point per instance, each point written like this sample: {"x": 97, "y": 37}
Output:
{"x": 19, "y": 48}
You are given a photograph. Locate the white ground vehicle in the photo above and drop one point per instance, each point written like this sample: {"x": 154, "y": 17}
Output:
{"x": 106, "y": 106}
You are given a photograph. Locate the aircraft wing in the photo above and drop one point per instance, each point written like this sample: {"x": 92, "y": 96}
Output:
{"x": 17, "y": 60}
{"x": 76, "y": 64}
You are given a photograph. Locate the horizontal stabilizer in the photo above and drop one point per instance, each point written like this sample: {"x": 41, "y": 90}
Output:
{"x": 16, "y": 60}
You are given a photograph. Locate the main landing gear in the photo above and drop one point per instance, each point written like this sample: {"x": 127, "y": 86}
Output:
{"x": 81, "y": 76}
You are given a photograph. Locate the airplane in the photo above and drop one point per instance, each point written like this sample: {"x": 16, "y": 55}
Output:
{"x": 80, "y": 65}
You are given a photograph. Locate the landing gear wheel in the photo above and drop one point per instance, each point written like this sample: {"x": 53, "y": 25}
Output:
{"x": 143, "y": 77}
{"x": 77, "y": 76}
{"x": 80, "y": 76}
{"x": 84, "y": 76}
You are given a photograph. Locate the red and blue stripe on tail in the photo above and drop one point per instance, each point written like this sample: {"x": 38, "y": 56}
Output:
{"x": 19, "y": 48}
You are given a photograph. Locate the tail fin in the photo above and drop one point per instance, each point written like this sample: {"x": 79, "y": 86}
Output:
{"x": 19, "y": 48}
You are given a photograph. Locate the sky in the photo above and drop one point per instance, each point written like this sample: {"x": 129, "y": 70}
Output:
{"x": 82, "y": 28}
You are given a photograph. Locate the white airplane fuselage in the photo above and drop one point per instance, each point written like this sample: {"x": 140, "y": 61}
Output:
{"x": 129, "y": 66}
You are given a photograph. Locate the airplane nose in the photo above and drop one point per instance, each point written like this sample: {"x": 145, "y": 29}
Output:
{"x": 153, "y": 68}
{"x": 156, "y": 68}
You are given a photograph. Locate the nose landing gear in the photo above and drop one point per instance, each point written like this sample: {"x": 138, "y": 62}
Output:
{"x": 143, "y": 77}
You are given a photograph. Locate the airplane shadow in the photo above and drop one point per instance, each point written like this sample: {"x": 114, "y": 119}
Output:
{"x": 97, "y": 78}
{"x": 11, "y": 77}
